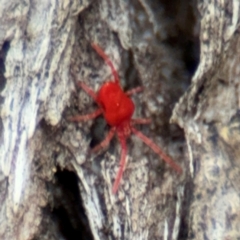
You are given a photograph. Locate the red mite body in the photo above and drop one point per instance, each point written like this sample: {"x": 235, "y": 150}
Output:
{"x": 117, "y": 108}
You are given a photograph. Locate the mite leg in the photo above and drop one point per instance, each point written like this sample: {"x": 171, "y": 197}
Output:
{"x": 141, "y": 121}
{"x": 157, "y": 150}
{"x": 80, "y": 118}
{"x": 134, "y": 90}
{"x": 107, "y": 60}
{"x": 122, "y": 162}
{"x": 88, "y": 90}
{"x": 106, "y": 141}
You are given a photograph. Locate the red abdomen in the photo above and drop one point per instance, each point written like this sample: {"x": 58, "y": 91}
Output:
{"x": 117, "y": 106}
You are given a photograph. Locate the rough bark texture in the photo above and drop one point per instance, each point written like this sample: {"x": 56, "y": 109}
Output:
{"x": 209, "y": 114}
{"x": 51, "y": 187}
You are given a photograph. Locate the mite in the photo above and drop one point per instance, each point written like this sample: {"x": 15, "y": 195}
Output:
{"x": 117, "y": 109}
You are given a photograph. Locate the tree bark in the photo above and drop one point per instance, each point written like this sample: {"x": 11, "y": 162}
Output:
{"x": 209, "y": 114}
{"x": 51, "y": 187}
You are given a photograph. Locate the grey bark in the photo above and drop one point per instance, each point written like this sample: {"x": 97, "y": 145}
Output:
{"x": 46, "y": 49}
{"x": 209, "y": 114}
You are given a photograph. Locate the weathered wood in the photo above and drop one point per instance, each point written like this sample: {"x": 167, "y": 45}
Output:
{"x": 208, "y": 112}
{"x": 46, "y": 49}
{"x": 36, "y": 41}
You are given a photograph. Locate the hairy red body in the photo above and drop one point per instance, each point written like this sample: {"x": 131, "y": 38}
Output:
{"x": 117, "y": 109}
{"x": 117, "y": 106}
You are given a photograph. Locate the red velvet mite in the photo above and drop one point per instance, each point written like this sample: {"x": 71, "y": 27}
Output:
{"x": 117, "y": 109}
